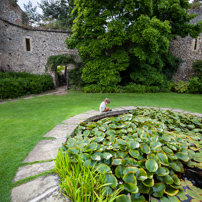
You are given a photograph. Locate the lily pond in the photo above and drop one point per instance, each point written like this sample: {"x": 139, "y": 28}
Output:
{"x": 151, "y": 154}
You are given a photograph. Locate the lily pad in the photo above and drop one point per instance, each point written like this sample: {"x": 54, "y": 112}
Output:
{"x": 151, "y": 165}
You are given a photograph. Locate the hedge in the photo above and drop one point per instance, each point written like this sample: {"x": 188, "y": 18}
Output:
{"x": 16, "y": 84}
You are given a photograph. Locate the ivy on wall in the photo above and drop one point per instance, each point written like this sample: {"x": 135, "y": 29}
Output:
{"x": 64, "y": 59}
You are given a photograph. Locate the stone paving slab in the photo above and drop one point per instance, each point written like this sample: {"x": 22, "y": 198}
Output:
{"x": 197, "y": 114}
{"x": 26, "y": 98}
{"x": 92, "y": 112}
{"x": 164, "y": 108}
{"x": 31, "y": 170}
{"x": 45, "y": 150}
{"x": 73, "y": 121}
{"x": 129, "y": 108}
{"x": 178, "y": 110}
{"x": 82, "y": 116}
{"x": 61, "y": 131}
{"x": 142, "y": 107}
{"x": 118, "y": 109}
{"x": 37, "y": 190}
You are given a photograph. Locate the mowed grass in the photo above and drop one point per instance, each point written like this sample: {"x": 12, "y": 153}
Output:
{"x": 23, "y": 123}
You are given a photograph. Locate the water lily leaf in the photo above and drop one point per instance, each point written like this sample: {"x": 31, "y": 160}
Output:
{"x": 141, "y": 174}
{"x": 197, "y": 190}
{"x": 158, "y": 189}
{"x": 164, "y": 199}
{"x": 172, "y": 147}
{"x": 86, "y": 133}
{"x": 134, "y": 153}
{"x": 73, "y": 150}
{"x": 154, "y": 139}
{"x": 121, "y": 142}
{"x": 96, "y": 157}
{"x": 111, "y": 179}
{"x": 107, "y": 191}
{"x": 99, "y": 139}
{"x": 130, "y": 178}
{"x": 151, "y": 165}
{"x": 102, "y": 129}
{"x": 182, "y": 156}
{"x": 132, "y": 162}
{"x": 85, "y": 156}
{"x": 103, "y": 168}
{"x": 167, "y": 150}
{"x": 130, "y": 187}
{"x": 148, "y": 182}
{"x": 121, "y": 154}
{"x": 106, "y": 155}
{"x": 145, "y": 148}
{"x": 168, "y": 179}
{"x": 172, "y": 157}
{"x": 193, "y": 194}
{"x": 117, "y": 162}
{"x": 176, "y": 179}
{"x": 152, "y": 156}
{"x": 144, "y": 189}
{"x": 91, "y": 147}
{"x": 171, "y": 191}
{"x": 173, "y": 199}
{"x": 163, "y": 159}
{"x": 119, "y": 171}
{"x": 181, "y": 194}
{"x": 123, "y": 198}
{"x": 162, "y": 171}
{"x": 137, "y": 198}
{"x": 174, "y": 166}
{"x": 155, "y": 144}
{"x": 130, "y": 169}
{"x": 134, "y": 145}
{"x": 153, "y": 200}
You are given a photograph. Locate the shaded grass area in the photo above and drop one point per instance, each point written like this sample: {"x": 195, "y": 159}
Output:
{"x": 23, "y": 123}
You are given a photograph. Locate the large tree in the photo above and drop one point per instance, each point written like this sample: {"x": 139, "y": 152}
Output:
{"x": 128, "y": 40}
{"x": 59, "y": 10}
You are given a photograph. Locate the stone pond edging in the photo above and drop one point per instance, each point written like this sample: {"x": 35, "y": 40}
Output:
{"x": 46, "y": 188}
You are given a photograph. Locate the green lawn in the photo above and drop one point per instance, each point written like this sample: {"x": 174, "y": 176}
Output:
{"x": 23, "y": 123}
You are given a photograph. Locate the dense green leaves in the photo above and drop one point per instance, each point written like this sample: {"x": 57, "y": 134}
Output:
{"x": 127, "y": 41}
{"x": 142, "y": 152}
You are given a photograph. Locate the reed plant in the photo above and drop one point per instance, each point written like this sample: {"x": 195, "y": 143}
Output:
{"x": 80, "y": 182}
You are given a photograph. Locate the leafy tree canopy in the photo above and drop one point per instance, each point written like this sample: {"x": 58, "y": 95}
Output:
{"x": 58, "y": 10}
{"x": 31, "y": 12}
{"x": 128, "y": 40}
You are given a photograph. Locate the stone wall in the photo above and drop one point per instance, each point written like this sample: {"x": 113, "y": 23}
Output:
{"x": 10, "y": 11}
{"x": 27, "y": 50}
{"x": 188, "y": 49}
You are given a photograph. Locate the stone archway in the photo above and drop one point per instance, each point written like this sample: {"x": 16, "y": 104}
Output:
{"x": 54, "y": 61}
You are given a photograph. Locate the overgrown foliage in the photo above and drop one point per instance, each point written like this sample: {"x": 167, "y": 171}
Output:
{"x": 80, "y": 182}
{"x": 142, "y": 152}
{"x": 128, "y": 41}
{"x": 16, "y": 84}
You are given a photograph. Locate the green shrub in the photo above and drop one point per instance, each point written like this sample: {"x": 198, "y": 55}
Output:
{"x": 195, "y": 86}
{"x": 142, "y": 152}
{"x": 134, "y": 88}
{"x": 16, "y": 84}
{"x": 181, "y": 87}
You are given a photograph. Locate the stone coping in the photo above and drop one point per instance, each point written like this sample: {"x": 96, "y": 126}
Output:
{"x": 46, "y": 188}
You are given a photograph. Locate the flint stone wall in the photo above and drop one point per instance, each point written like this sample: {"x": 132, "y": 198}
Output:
{"x": 188, "y": 49}
{"x": 12, "y": 12}
{"x": 43, "y": 43}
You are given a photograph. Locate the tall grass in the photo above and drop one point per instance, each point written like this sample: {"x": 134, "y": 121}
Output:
{"x": 81, "y": 182}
